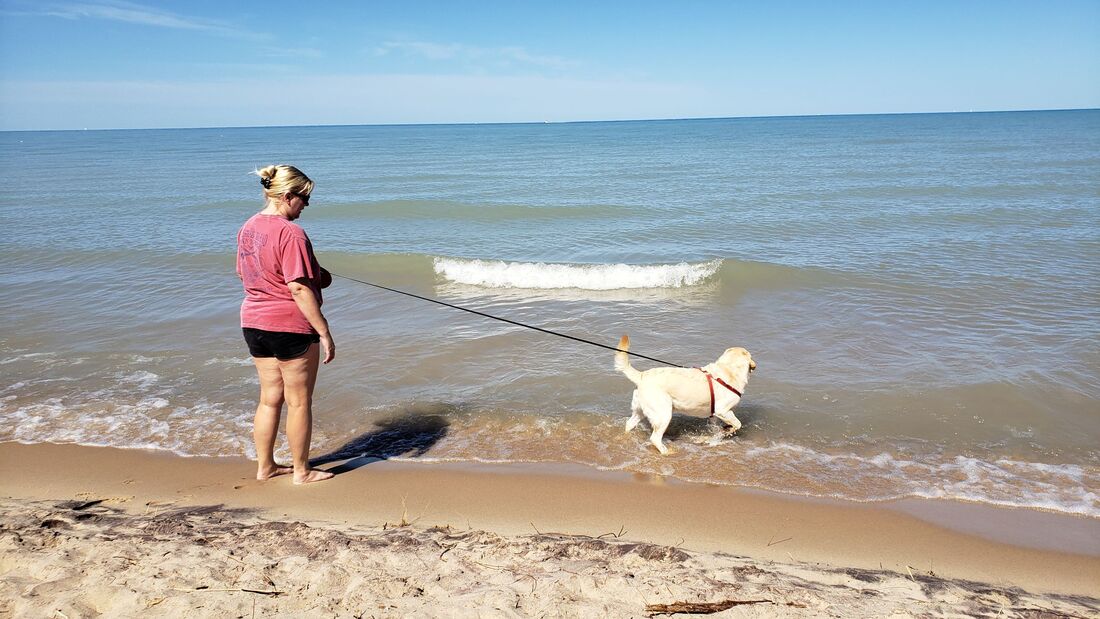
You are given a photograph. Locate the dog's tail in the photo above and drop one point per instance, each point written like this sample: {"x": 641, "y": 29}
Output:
{"x": 622, "y": 361}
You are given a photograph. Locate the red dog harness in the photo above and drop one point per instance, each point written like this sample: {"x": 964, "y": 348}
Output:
{"x": 710, "y": 383}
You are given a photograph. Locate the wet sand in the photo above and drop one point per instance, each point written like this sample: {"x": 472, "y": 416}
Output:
{"x": 98, "y": 530}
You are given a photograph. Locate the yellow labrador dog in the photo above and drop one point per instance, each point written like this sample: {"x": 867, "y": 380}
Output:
{"x": 712, "y": 390}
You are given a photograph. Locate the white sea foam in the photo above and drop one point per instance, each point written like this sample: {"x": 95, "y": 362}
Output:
{"x": 229, "y": 361}
{"x": 142, "y": 379}
{"x": 203, "y": 429}
{"x": 540, "y": 275}
{"x": 1056, "y": 487}
{"x": 34, "y": 355}
{"x": 13, "y": 386}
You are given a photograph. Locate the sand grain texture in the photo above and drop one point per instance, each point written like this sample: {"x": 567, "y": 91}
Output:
{"x": 86, "y": 557}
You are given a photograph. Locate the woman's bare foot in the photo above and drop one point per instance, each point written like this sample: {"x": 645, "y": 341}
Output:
{"x": 264, "y": 472}
{"x": 313, "y": 475}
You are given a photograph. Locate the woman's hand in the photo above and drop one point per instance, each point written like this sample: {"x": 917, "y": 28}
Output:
{"x": 328, "y": 348}
{"x": 307, "y": 303}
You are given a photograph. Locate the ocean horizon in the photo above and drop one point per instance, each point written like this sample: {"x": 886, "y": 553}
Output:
{"x": 550, "y": 122}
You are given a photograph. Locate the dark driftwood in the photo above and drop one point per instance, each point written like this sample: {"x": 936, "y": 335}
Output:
{"x": 699, "y": 608}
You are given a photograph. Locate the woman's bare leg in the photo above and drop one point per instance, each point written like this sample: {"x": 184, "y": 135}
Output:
{"x": 299, "y": 377}
{"x": 268, "y": 411}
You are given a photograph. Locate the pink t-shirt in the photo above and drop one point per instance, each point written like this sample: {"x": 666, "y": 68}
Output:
{"x": 271, "y": 253}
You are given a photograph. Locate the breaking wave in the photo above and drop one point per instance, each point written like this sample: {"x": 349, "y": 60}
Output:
{"x": 545, "y": 276}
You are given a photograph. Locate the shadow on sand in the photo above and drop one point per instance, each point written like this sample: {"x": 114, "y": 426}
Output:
{"x": 410, "y": 434}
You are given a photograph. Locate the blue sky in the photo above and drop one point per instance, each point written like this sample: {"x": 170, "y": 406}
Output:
{"x": 116, "y": 64}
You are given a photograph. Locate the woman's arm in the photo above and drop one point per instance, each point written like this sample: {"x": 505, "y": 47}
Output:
{"x": 307, "y": 303}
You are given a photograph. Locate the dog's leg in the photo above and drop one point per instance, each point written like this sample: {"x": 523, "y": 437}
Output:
{"x": 658, "y": 435}
{"x": 730, "y": 420}
{"x": 658, "y": 410}
{"x": 635, "y": 412}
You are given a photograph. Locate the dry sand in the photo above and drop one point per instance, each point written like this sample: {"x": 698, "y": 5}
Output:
{"x": 90, "y": 531}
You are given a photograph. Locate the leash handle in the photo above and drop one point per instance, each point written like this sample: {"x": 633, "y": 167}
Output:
{"x": 511, "y": 322}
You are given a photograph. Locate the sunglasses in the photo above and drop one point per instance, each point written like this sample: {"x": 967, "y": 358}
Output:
{"x": 303, "y": 197}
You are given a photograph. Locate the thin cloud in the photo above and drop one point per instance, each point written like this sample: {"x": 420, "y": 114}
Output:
{"x": 343, "y": 99}
{"x": 472, "y": 54}
{"x": 292, "y": 52}
{"x": 431, "y": 51}
{"x": 131, "y": 13}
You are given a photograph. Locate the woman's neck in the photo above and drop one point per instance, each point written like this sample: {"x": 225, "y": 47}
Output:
{"x": 272, "y": 208}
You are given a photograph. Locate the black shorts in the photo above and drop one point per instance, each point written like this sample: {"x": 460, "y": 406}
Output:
{"x": 282, "y": 346}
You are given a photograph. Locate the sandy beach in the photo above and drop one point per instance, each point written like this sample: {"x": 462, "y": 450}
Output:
{"x": 89, "y": 531}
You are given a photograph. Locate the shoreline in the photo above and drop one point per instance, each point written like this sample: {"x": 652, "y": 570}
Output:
{"x": 950, "y": 540}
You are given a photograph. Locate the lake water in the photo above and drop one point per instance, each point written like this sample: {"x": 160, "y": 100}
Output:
{"x": 921, "y": 293}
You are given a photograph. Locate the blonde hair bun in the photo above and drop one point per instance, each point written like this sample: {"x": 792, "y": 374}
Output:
{"x": 278, "y": 180}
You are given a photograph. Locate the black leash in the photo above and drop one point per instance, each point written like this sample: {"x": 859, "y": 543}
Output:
{"x": 511, "y": 322}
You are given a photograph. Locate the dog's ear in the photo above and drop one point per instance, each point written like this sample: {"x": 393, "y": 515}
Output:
{"x": 735, "y": 356}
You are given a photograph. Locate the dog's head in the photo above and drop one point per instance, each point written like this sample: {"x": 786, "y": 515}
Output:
{"x": 735, "y": 359}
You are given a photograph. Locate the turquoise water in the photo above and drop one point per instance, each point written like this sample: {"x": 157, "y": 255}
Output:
{"x": 920, "y": 292}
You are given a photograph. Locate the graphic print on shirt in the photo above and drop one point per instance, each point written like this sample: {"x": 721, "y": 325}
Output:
{"x": 250, "y": 246}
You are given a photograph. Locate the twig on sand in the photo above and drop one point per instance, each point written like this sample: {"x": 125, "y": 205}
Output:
{"x": 622, "y": 531}
{"x": 910, "y": 570}
{"x": 561, "y": 569}
{"x": 699, "y": 608}
{"x": 534, "y": 582}
{"x": 404, "y": 512}
{"x": 771, "y": 543}
{"x": 204, "y": 589}
{"x": 448, "y": 549}
{"x": 1045, "y": 611}
{"x": 536, "y": 528}
{"x": 495, "y": 567}
{"x": 404, "y": 516}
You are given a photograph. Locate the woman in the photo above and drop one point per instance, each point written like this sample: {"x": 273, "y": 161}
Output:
{"x": 281, "y": 317}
